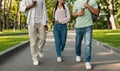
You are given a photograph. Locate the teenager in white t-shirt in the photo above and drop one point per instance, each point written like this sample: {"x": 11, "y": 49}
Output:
{"x": 37, "y": 26}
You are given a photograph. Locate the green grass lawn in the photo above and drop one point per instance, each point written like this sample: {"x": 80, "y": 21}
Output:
{"x": 110, "y": 37}
{"x": 12, "y": 40}
{"x": 14, "y": 32}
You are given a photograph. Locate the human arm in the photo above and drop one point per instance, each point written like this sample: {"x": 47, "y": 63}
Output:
{"x": 92, "y": 9}
{"x": 31, "y": 6}
{"x": 45, "y": 16}
{"x": 79, "y": 13}
{"x": 67, "y": 14}
{"x": 76, "y": 12}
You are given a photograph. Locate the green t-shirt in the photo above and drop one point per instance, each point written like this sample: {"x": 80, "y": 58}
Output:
{"x": 86, "y": 19}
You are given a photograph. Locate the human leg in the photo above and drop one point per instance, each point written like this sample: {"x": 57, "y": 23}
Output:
{"x": 63, "y": 33}
{"x": 88, "y": 43}
{"x": 33, "y": 44}
{"x": 79, "y": 37}
{"x": 57, "y": 36}
{"x": 42, "y": 38}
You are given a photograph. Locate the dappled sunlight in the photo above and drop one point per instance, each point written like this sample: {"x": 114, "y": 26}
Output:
{"x": 69, "y": 49}
{"x": 49, "y": 39}
{"x": 76, "y": 65}
{"x": 105, "y": 53}
{"x": 117, "y": 61}
{"x": 71, "y": 40}
{"x": 49, "y": 33}
{"x": 71, "y": 34}
{"x": 112, "y": 33}
{"x": 110, "y": 65}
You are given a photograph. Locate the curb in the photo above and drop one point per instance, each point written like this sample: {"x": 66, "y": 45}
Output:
{"x": 106, "y": 46}
{"x": 12, "y": 50}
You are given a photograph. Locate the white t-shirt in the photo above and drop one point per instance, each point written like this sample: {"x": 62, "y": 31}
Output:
{"x": 38, "y": 14}
{"x": 63, "y": 15}
{"x": 40, "y": 11}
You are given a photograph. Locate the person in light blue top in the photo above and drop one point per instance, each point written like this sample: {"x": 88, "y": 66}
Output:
{"x": 82, "y": 11}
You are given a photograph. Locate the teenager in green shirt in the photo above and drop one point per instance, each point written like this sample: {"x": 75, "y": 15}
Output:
{"x": 84, "y": 23}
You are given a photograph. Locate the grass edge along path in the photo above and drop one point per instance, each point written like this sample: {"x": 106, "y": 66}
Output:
{"x": 7, "y": 42}
{"x": 13, "y": 39}
{"x": 110, "y": 37}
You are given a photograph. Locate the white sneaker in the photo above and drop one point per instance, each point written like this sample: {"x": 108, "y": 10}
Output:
{"x": 35, "y": 62}
{"x": 88, "y": 65}
{"x": 59, "y": 59}
{"x": 41, "y": 54}
{"x": 78, "y": 58}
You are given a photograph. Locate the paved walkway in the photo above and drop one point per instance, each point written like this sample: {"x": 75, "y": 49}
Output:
{"x": 102, "y": 58}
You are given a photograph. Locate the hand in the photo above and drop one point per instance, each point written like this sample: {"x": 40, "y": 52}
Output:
{"x": 34, "y": 3}
{"x": 80, "y": 13}
{"x": 46, "y": 27}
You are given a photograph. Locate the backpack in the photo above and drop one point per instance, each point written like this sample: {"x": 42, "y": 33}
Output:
{"x": 94, "y": 16}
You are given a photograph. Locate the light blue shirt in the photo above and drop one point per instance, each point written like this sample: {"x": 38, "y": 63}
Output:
{"x": 86, "y": 19}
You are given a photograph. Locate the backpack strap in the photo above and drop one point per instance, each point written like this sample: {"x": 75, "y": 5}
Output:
{"x": 87, "y": 1}
{"x": 65, "y": 10}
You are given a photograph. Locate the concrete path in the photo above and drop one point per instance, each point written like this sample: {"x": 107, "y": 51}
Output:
{"x": 103, "y": 59}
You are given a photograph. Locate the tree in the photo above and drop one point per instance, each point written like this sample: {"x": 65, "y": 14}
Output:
{"x": 12, "y": 18}
{"x": 0, "y": 15}
{"x": 70, "y": 4}
{"x": 4, "y": 15}
{"x": 109, "y": 10}
{"x": 117, "y": 12}
{"x": 8, "y": 12}
{"x": 50, "y": 4}
{"x": 112, "y": 18}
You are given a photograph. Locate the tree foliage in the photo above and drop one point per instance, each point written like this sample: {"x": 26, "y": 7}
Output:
{"x": 10, "y": 17}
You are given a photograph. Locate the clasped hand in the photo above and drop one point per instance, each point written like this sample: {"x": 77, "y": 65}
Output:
{"x": 80, "y": 13}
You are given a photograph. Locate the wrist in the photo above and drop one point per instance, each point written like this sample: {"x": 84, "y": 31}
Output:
{"x": 88, "y": 6}
{"x": 77, "y": 14}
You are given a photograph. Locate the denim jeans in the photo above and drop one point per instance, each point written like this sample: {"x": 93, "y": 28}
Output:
{"x": 60, "y": 35}
{"x": 85, "y": 33}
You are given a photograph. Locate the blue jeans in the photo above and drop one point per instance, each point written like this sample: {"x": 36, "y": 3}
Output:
{"x": 85, "y": 33}
{"x": 60, "y": 35}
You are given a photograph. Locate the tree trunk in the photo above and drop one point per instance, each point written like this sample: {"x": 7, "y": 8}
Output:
{"x": 112, "y": 19}
{"x": 108, "y": 24}
{"x": 19, "y": 17}
{"x": 7, "y": 16}
{"x": 4, "y": 16}
{"x": 1, "y": 16}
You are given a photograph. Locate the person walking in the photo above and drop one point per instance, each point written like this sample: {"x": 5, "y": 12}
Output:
{"x": 37, "y": 26}
{"x": 82, "y": 11}
{"x": 61, "y": 17}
